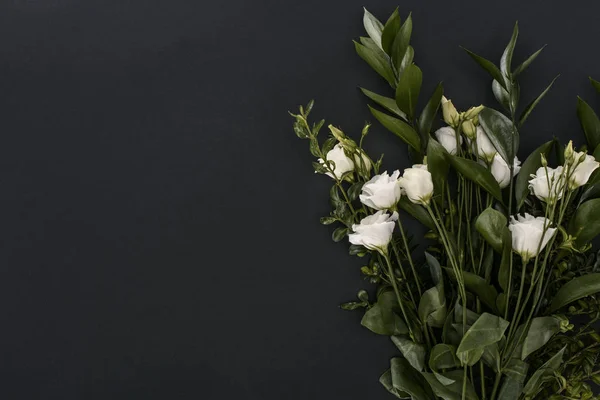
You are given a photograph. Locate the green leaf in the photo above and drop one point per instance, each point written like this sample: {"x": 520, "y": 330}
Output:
{"x": 477, "y": 173}
{"x": 437, "y": 165}
{"x": 589, "y": 122}
{"x": 595, "y": 84}
{"x": 501, "y": 133}
{"x": 506, "y": 60}
{"x": 478, "y": 286}
{"x": 417, "y": 212}
{"x": 535, "y": 102}
{"x": 489, "y": 67}
{"x": 527, "y": 62}
{"x": 401, "y": 43}
{"x": 449, "y": 386}
{"x": 490, "y": 224}
{"x": 487, "y": 330}
{"x": 491, "y": 356}
{"x": 501, "y": 95}
{"x": 531, "y": 164}
{"x": 540, "y": 331}
{"x": 339, "y": 234}
{"x": 576, "y": 289}
{"x": 373, "y": 27}
{"x": 406, "y": 379}
{"x": 390, "y": 30}
{"x": 386, "y": 102}
{"x": 585, "y": 224}
{"x": 407, "y": 92}
{"x": 386, "y": 380}
{"x": 399, "y": 128}
{"x": 406, "y": 60}
{"x": 533, "y": 384}
{"x": 413, "y": 352}
{"x": 443, "y": 356}
{"x": 429, "y": 112}
{"x": 504, "y": 270}
{"x": 432, "y": 308}
{"x": 591, "y": 192}
{"x": 377, "y": 60}
{"x": 516, "y": 372}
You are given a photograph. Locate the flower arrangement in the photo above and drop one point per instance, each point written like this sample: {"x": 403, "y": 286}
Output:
{"x": 502, "y": 305}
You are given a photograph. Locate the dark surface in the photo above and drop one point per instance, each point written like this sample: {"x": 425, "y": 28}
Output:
{"x": 159, "y": 218}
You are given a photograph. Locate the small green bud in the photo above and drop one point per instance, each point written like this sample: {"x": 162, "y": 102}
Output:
{"x": 544, "y": 161}
{"x": 569, "y": 153}
{"x": 473, "y": 112}
{"x": 363, "y": 295}
{"x": 365, "y": 129}
{"x": 449, "y": 112}
{"x": 469, "y": 129}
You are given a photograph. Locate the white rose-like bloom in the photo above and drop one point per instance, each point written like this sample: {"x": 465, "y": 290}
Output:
{"x": 447, "y": 138}
{"x": 375, "y": 231}
{"x": 382, "y": 192}
{"x": 528, "y": 236}
{"x": 547, "y": 184}
{"x": 485, "y": 148}
{"x": 583, "y": 170}
{"x": 417, "y": 184}
{"x": 343, "y": 163}
{"x": 501, "y": 171}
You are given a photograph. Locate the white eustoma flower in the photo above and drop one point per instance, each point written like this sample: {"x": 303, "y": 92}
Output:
{"x": 447, "y": 138}
{"x": 417, "y": 184}
{"x": 583, "y": 170}
{"x": 485, "y": 148}
{"x": 375, "y": 231}
{"x": 501, "y": 171}
{"x": 547, "y": 184}
{"x": 343, "y": 163}
{"x": 530, "y": 235}
{"x": 382, "y": 192}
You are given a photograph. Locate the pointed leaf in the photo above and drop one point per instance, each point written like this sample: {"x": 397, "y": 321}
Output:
{"x": 478, "y": 286}
{"x": 585, "y": 224}
{"x": 489, "y": 67}
{"x": 373, "y": 27}
{"x": 501, "y": 133}
{"x": 506, "y": 60}
{"x": 490, "y": 224}
{"x": 527, "y": 62}
{"x": 399, "y": 128}
{"x": 501, "y": 95}
{"x": 386, "y": 102}
{"x": 540, "y": 331}
{"x": 487, "y": 330}
{"x": 533, "y": 384}
{"x": 401, "y": 43}
{"x": 516, "y": 373}
{"x": 386, "y": 380}
{"x": 589, "y": 122}
{"x": 430, "y": 111}
{"x": 413, "y": 352}
{"x": 443, "y": 356}
{"x": 576, "y": 289}
{"x": 390, "y": 30}
{"x": 535, "y": 102}
{"x": 531, "y": 164}
{"x": 407, "y": 92}
{"x": 437, "y": 165}
{"x": 595, "y": 84}
{"x": 378, "y": 61}
{"x": 406, "y": 379}
{"x": 478, "y": 174}
{"x": 417, "y": 212}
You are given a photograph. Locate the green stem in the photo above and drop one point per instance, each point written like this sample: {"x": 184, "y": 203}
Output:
{"x": 409, "y": 256}
{"x": 397, "y": 292}
{"x": 496, "y": 385}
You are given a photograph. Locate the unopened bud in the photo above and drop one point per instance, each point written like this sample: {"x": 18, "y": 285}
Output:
{"x": 544, "y": 161}
{"x": 582, "y": 158}
{"x": 449, "y": 111}
{"x": 473, "y": 112}
{"x": 569, "y": 152}
{"x": 365, "y": 129}
{"x": 469, "y": 129}
{"x": 363, "y": 295}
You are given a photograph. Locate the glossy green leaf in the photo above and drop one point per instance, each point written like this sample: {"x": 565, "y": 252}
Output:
{"x": 591, "y": 192}
{"x": 489, "y": 67}
{"x": 406, "y": 60}
{"x": 585, "y": 224}
{"x": 501, "y": 95}
{"x": 516, "y": 373}
{"x": 339, "y": 234}
{"x": 449, "y": 386}
{"x": 399, "y": 128}
{"x": 506, "y": 60}
{"x": 478, "y": 174}
{"x": 589, "y": 123}
{"x": 373, "y": 27}
{"x": 478, "y": 286}
{"x": 527, "y": 62}
{"x": 432, "y": 308}
{"x": 487, "y": 330}
{"x": 533, "y": 384}
{"x": 595, "y": 84}
{"x": 535, "y": 102}
{"x": 437, "y": 165}
{"x": 417, "y": 212}
{"x": 490, "y": 224}
{"x": 540, "y": 331}
{"x": 413, "y": 352}
{"x": 377, "y": 60}
{"x": 390, "y": 30}
{"x": 531, "y": 164}
{"x": 386, "y": 380}
{"x": 386, "y": 102}
{"x": 504, "y": 270}
{"x": 429, "y": 112}
{"x": 576, "y": 289}
{"x": 443, "y": 356}
{"x": 501, "y": 133}
{"x": 406, "y": 379}
{"x": 409, "y": 87}
{"x": 401, "y": 43}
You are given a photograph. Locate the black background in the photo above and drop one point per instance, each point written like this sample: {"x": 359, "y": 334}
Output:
{"x": 159, "y": 218}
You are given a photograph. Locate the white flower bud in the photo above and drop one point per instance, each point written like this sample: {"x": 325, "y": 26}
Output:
{"x": 449, "y": 112}
{"x": 382, "y": 192}
{"x": 569, "y": 153}
{"x": 343, "y": 163}
{"x": 586, "y": 164}
{"x": 501, "y": 171}
{"x": 375, "y": 231}
{"x": 417, "y": 184}
{"x": 485, "y": 149}
{"x": 447, "y": 138}
{"x": 547, "y": 184}
{"x": 528, "y": 236}
{"x": 473, "y": 112}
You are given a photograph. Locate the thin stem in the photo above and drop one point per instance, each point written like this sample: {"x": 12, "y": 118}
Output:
{"x": 409, "y": 256}
{"x": 397, "y": 292}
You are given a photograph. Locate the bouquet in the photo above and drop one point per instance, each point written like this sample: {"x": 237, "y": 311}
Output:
{"x": 502, "y": 303}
